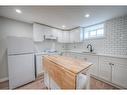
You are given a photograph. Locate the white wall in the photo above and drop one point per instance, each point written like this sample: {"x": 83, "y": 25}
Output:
{"x": 115, "y": 42}
{"x": 10, "y": 27}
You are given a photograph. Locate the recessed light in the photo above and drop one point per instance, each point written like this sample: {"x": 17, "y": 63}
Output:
{"x": 63, "y": 26}
{"x": 18, "y": 11}
{"x": 87, "y": 15}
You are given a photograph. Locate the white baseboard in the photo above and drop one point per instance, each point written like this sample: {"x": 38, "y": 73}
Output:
{"x": 3, "y": 79}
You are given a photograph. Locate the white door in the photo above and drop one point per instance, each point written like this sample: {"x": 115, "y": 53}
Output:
{"x": 21, "y": 70}
{"x": 119, "y": 75}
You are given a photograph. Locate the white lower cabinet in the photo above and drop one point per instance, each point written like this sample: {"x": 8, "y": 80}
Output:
{"x": 104, "y": 68}
{"x": 92, "y": 59}
{"x": 110, "y": 69}
{"x": 113, "y": 70}
{"x": 119, "y": 75}
{"x": 94, "y": 68}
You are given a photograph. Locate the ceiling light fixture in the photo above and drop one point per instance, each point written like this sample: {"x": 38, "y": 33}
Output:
{"x": 18, "y": 11}
{"x": 63, "y": 26}
{"x": 87, "y": 15}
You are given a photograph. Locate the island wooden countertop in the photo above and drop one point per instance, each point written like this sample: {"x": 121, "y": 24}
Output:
{"x": 71, "y": 64}
{"x": 64, "y": 70}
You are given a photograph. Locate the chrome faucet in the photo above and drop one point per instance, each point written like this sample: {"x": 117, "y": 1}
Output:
{"x": 91, "y": 49}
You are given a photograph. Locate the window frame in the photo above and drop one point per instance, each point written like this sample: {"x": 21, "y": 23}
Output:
{"x": 96, "y": 37}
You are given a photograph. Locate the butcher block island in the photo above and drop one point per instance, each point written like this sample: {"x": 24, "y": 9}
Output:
{"x": 61, "y": 72}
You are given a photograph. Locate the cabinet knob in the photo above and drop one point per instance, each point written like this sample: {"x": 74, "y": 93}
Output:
{"x": 110, "y": 63}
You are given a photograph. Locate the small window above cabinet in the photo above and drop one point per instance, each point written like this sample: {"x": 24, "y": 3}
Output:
{"x": 94, "y": 31}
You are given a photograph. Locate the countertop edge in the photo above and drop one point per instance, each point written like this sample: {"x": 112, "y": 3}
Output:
{"x": 97, "y": 54}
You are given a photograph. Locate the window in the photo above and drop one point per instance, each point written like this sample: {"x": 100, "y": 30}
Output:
{"x": 96, "y": 31}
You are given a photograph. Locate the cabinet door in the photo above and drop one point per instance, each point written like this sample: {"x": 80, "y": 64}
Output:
{"x": 105, "y": 68}
{"x": 72, "y": 37}
{"x": 60, "y": 36}
{"x": 95, "y": 67}
{"x": 38, "y": 33}
{"x": 63, "y": 36}
{"x": 66, "y": 37}
{"x": 76, "y": 35}
{"x": 119, "y": 75}
{"x": 39, "y": 65}
{"x": 55, "y": 32}
{"x": 92, "y": 59}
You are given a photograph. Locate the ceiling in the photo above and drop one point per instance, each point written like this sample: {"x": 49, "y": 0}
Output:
{"x": 70, "y": 16}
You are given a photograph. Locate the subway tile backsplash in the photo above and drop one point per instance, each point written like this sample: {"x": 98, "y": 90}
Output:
{"x": 115, "y": 42}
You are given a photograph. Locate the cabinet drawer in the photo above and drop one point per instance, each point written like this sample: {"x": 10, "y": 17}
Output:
{"x": 121, "y": 61}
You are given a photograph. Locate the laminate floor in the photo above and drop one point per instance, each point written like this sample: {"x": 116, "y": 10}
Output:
{"x": 38, "y": 84}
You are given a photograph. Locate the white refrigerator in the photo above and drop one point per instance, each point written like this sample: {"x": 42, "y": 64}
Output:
{"x": 21, "y": 67}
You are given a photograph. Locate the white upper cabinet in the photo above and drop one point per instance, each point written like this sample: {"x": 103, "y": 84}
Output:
{"x": 60, "y": 37}
{"x": 55, "y": 32}
{"x": 38, "y": 33}
{"x": 76, "y": 35}
{"x": 72, "y": 37}
{"x": 66, "y": 36}
{"x": 63, "y": 36}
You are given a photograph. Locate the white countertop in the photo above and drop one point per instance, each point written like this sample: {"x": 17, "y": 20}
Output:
{"x": 98, "y": 54}
{"x": 47, "y": 53}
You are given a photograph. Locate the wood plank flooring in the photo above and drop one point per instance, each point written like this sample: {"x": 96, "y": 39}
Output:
{"x": 38, "y": 84}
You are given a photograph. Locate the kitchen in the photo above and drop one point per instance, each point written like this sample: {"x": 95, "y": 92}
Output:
{"x": 90, "y": 34}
